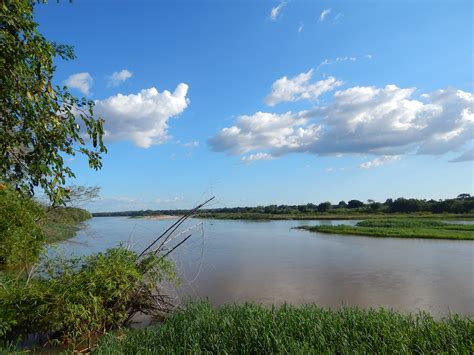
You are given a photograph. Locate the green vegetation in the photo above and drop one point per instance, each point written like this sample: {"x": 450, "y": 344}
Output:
{"x": 459, "y": 207}
{"x": 26, "y": 226}
{"x": 63, "y": 222}
{"x": 40, "y": 124}
{"x": 401, "y": 228}
{"x": 253, "y": 329}
{"x": 74, "y": 300}
{"x": 21, "y": 237}
{"x": 330, "y": 216}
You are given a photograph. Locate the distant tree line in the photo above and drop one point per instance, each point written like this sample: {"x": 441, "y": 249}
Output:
{"x": 463, "y": 203}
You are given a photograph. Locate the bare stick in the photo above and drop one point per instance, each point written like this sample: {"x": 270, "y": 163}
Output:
{"x": 175, "y": 226}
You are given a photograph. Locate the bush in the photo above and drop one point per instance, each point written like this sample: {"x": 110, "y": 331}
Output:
{"x": 62, "y": 223}
{"x": 71, "y": 299}
{"x": 21, "y": 237}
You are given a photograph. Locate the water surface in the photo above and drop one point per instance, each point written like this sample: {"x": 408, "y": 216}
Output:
{"x": 271, "y": 263}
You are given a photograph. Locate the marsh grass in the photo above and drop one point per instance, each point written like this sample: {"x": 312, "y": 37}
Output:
{"x": 253, "y": 329}
{"x": 401, "y": 228}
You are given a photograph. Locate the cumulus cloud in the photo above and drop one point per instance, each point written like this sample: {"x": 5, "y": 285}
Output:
{"x": 466, "y": 156}
{"x": 142, "y": 117}
{"x": 80, "y": 81}
{"x": 324, "y": 14}
{"x": 276, "y": 11}
{"x": 119, "y": 77}
{"x": 387, "y": 121}
{"x": 249, "y": 159}
{"x": 299, "y": 87}
{"x": 281, "y": 133}
{"x": 374, "y": 163}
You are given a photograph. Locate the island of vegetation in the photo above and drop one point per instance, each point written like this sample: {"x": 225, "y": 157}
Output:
{"x": 401, "y": 228}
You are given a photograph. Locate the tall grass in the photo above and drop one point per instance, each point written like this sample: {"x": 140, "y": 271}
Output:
{"x": 253, "y": 329}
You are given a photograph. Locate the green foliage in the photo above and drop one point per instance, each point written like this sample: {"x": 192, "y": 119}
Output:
{"x": 40, "y": 124}
{"x": 463, "y": 204}
{"x": 63, "y": 222}
{"x": 21, "y": 237}
{"x": 25, "y": 227}
{"x": 324, "y": 206}
{"x": 252, "y": 329}
{"x": 355, "y": 204}
{"x": 402, "y": 228}
{"x": 71, "y": 299}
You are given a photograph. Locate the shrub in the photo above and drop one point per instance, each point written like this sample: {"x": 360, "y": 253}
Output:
{"x": 72, "y": 299}
{"x": 21, "y": 237}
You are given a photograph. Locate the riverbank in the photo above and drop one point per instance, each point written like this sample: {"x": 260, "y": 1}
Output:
{"x": 156, "y": 217}
{"x": 63, "y": 223}
{"x": 401, "y": 228}
{"x": 332, "y": 216}
{"x": 308, "y": 329}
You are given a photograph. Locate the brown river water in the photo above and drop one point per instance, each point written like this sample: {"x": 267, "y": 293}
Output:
{"x": 271, "y": 263}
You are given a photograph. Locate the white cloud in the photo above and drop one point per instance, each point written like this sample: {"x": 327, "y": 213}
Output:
{"x": 281, "y": 133}
{"x": 192, "y": 144}
{"x": 119, "y": 77}
{"x": 142, "y": 117}
{"x": 80, "y": 81}
{"x": 324, "y": 14}
{"x": 300, "y": 27}
{"x": 276, "y": 11}
{"x": 386, "y": 121}
{"x": 328, "y": 61}
{"x": 374, "y": 163}
{"x": 299, "y": 87}
{"x": 338, "y": 16}
{"x": 249, "y": 159}
{"x": 466, "y": 156}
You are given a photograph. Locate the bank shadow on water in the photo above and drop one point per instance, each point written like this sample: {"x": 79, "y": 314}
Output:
{"x": 272, "y": 263}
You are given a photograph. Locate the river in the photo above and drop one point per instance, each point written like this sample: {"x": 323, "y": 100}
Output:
{"x": 271, "y": 263}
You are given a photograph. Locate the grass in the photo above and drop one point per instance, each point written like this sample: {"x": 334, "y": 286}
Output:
{"x": 330, "y": 216}
{"x": 401, "y": 228}
{"x": 253, "y": 329}
{"x": 63, "y": 223}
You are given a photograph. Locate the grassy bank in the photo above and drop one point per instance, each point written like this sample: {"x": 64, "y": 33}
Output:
{"x": 401, "y": 228}
{"x": 252, "y": 329}
{"x": 63, "y": 223}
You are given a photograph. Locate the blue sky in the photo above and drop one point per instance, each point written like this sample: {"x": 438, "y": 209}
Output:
{"x": 272, "y": 102}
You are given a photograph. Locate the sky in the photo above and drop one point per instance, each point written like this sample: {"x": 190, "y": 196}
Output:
{"x": 271, "y": 102}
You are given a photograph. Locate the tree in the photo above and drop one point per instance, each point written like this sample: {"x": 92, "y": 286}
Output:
{"x": 324, "y": 206}
{"x": 342, "y": 204}
{"x": 39, "y": 124}
{"x": 355, "y": 204}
